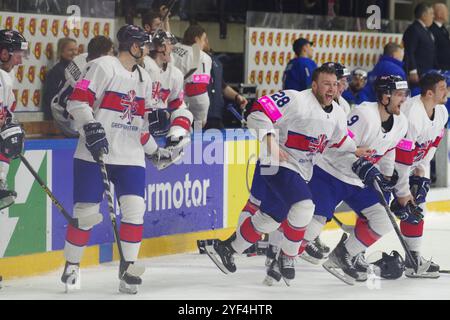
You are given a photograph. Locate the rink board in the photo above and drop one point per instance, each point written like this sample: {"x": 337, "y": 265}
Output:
{"x": 197, "y": 199}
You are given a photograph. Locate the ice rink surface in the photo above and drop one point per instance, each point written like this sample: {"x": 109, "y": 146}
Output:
{"x": 194, "y": 277}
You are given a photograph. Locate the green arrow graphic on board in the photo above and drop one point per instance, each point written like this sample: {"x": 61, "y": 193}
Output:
{"x": 23, "y": 227}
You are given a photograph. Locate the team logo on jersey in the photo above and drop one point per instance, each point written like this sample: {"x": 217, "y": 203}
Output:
{"x": 37, "y": 50}
{"x": 32, "y": 26}
{"x": 44, "y": 27}
{"x": 422, "y": 150}
{"x": 55, "y": 27}
{"x": 317, "y": 145}
{"x": 130, "y": 106}
{"x": 21, "y": 25}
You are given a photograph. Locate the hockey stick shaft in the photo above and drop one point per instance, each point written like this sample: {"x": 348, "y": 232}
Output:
{"x": 345, "y": 227}
{"x": 109, "y": 198}
{"x": 237, "y": 115}
{"x": 73, "y": 221}
{"x": 394, "y": 224}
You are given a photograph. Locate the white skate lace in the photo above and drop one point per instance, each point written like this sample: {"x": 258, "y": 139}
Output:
{"x": 360, "y": 260}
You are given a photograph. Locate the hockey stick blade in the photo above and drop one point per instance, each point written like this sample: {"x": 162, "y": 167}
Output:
{"x": 444, "y": 271}
{"x": 211, "y": 253}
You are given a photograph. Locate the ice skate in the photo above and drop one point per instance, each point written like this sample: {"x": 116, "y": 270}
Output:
{"x": 361, "y": 266}
{"x": 224, "y": 251}
{"x": 7, "y": 197}
{"x": 340, "y": 264}
{"x": 129, "y": 278}
{"x": 313, "y": 253}
{"x": 286, "y": 265}
{"x": 71, "y": 277}
{"x": 272, "y": 273}
{"x": 322, "y": 246}
{"x": 427, "y": 268}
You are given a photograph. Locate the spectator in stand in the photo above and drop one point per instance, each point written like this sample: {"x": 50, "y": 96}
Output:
{"x": 298, "y": 73}
{"x": 441, "y": 36}
{"x": 152, "y": 20}
{"x": 390, "y": 63}
{"x": 218, "y": 92}
{"x": 419, "y": 42}
{"x": 55, "y": 79}
{"x": 354, "y": 94}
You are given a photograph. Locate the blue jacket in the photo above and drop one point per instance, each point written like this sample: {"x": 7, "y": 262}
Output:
{"x": 298, "y": 74}
{"x": 354, "y": 99}
{"x": 386, "y": 66}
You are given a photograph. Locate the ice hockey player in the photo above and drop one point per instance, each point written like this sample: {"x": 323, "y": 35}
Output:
{"x": 342, "y": 177}
{"x": 13, "y": 48}
{"x": 294, "y": 127}
{"x": 97, "y": 47}
{"x": 196, "y": 68}
{"x": 170, "y": 113}
{"x": 342, "y": 74}
{"x": 109, "y": 106}
{"x": 427, "y": 118}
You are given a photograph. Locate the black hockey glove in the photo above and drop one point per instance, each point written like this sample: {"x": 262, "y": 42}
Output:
{"x": 96, "y": 141}
{"x": 419, "y": 188}
{"x": 368, "y": 173}
{"x": 410, "y": 213}
{"x": 12, "y": 139}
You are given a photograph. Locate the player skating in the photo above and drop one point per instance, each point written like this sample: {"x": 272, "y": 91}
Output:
{"x": 427, "y": 118}
{"x": 305, "y": 123}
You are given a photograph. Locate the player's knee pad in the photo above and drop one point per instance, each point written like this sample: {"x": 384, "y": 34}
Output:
{"x": 378, "y": 219}
{"x": 301, "y": 213}
{"x": 264, "y": 223}
{"x": 84, "y": 210}
{"x": 132, "y": 208}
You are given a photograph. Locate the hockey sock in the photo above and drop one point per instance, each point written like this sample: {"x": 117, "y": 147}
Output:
{"x": 131, "y": 227}
{"x": 313, "y": 230}
{"x": 76, "y": 241}
{"x": 248, "y": 211}
{"x": 361, "y": 238}
{"x": 412, "y": 234}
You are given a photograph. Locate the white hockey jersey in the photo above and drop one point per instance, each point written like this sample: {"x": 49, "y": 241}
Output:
{"x": 73, "y": 73}
{"x": 120, "y": 102}
{"x": 424, "y": 135}
{"x": 167, "y": 85}
{"x": 303, "y": 127}
{"x": 7, "y": 98}
{"x": 196, "y": 84}
{"x": 364, "y": 126}
{"x": 344, "y": 105}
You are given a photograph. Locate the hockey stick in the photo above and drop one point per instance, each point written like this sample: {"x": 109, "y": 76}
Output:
{"x": 84, "y": 222}
{"x": 397, "y": 231}
{"x": 196, "y": 51}
{"x": 169, "y": 8}
{"x": 345, "y": 227}
{"x": 237, "y": 115}
{"x": 132, "y": 268}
